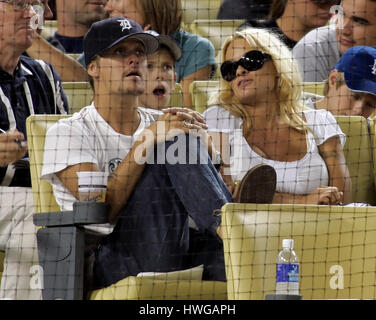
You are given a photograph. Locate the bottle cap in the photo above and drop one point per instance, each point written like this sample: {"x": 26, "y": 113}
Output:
{"x": 288, "y": 244}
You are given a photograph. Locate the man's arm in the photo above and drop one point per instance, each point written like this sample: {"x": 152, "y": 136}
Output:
{"x": 120, "y": 184}
{"x": 68, "y": 68}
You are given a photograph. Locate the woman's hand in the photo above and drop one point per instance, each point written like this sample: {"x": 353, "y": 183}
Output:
{"x": 325, "y": 195}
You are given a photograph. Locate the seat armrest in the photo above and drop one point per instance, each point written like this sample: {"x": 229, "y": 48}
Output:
{"x": 84, "y": 213}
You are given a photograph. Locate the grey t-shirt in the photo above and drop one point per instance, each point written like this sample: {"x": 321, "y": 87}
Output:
{"x": 317, "y": 53}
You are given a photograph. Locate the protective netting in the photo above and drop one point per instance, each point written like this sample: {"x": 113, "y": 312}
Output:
{"x": 221, "y": 128}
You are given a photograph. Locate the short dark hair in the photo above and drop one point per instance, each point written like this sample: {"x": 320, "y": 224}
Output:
{"x": 277, "y": 9}
{"x": 162, "y": 46}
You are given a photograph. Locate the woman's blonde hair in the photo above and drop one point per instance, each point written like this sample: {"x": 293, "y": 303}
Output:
{"x": 164, "y": 16}
{"x": 289, "y": 88}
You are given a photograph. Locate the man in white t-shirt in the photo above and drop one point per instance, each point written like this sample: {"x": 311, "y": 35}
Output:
{"x": 351, "y": 86}
{"x": 319, "y": 51}
{"x": 159, "y": 175}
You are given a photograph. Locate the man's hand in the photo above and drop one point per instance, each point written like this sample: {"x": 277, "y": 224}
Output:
{"x": 12, "y": 147}
{"x": 176, "y": 121}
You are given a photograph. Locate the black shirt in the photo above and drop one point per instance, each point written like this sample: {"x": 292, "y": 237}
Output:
{"x": 273, "y": 26}
{"x": 67, "y": 44}
{"x": 244, "y": 9}
{"x": 35, "y": 87}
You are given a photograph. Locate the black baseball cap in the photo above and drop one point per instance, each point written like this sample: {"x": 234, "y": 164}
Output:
{"x": 107, "y": 33}
{"x": 169, "y": 42}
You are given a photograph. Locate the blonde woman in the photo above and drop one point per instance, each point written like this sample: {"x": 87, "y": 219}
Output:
{"x": 258, "y": 118}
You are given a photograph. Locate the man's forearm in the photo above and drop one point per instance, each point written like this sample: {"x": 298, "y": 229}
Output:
{"x": 68, "y": 68}
{"x": 122, "y": 182}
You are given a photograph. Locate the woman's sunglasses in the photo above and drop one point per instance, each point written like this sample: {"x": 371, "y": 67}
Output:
{"x": 251, "y": 61}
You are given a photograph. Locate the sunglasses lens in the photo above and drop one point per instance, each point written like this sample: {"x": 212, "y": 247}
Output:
{"x": 228, "y": 70}
{"x": 253, "y": 60}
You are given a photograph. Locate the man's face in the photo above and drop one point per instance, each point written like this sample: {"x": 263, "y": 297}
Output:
{"x": 48, "y": 14}
{"x": 313, "y": 14}
{"x": 160, "y": 80}
{"x": 16, "y": 27}
{"x": 122, "y": 69}
{"x": 85, "y": 12}
{"x": 125, "y": 8}
{"x": 359, "y": 24}
{"x": 351, "y": 103}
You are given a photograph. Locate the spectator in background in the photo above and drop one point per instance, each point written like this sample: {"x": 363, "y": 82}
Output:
{"x": 244, "y": 9}
{"x": 259, "y": 118}
{"x": 319, "y": 51}
{"x": 351, "y": 86}
{"x": 27, "y": 86}
{"x": 47, "y": 12}
{"x": 74, "y": 19}
{"x": 292, "y": 19}
{"x": 198, "y": 54}
{"x": 53, "y": 50}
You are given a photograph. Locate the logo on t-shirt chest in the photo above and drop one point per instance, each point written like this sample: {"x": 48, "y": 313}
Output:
{"x": 113, "y": 164}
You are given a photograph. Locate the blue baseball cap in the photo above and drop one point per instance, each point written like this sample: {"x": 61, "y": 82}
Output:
{"x": 359, "y": 67}
{"x": 107, "y": 33}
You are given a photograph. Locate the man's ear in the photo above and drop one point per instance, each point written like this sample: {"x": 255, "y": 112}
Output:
{"x": 93, "y": 69}
{"x": 175, "y": 76}
{"x": 332, "y": 79}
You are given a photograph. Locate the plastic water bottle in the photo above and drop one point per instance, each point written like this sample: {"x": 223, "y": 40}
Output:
{"x": 287, "y": 269}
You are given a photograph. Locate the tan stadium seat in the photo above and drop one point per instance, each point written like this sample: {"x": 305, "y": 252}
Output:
{"x": 36, "y": 126}
{"x": 131, "y": 287}
{"x": 49, "y": 28}
{"x": 137, "y": 288}
{"x": 177, "y": 97}
{"x": 372, "y": 129}
{"x": 359, "y": 158}
{"x": 199, "y": 9}
{"x": 79, "y": 95}
{"x": 2, "y": 256}
{"x": 335, "y": 245}
{"x": 314, "y": 87}
{"x": 200, "y": 92}
{"x": 217, "y": 31}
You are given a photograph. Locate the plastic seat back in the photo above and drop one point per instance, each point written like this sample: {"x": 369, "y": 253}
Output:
{"x": 79, "y": 95}
{"x": 200, "y": 92}
{"x": 37, "y": 126}
{"x": 335, "y": 246}
{"x": 359, "y": 158}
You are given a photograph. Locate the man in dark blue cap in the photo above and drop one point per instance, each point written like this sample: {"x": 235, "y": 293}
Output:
{"x": 152, "y": 191}
{"x": 351, "y": 86}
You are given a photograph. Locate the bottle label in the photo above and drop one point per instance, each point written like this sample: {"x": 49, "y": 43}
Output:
{"x": 288, "y": 272}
